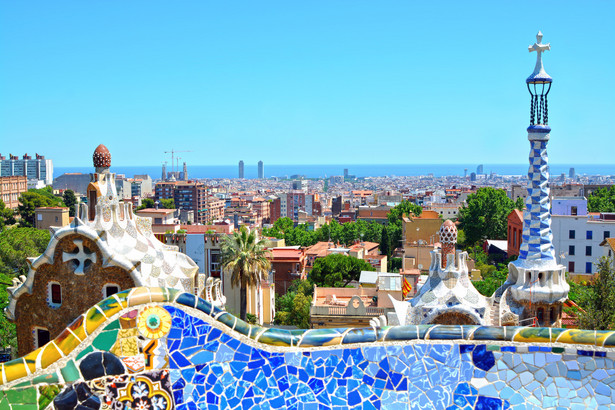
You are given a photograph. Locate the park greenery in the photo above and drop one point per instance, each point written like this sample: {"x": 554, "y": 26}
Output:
{"x": 16, "y": 245}
{"x": 597, "y": 299}
{"x": 32, "y": 199}
{"x": 485, "y": 215}
{"x": 70, "y": 200}
{"x": 293, "y": 308}
{"x": 602, "y": 200}
{"x": 148, "y": 203}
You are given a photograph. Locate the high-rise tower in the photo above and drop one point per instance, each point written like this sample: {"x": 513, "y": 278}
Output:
{"x": 241, "y": 170}
{"x": 536, "y": 285}
{"x": 261, "y": 170}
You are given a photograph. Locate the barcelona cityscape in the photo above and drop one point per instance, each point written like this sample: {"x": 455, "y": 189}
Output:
{"x": 344, "y": 205}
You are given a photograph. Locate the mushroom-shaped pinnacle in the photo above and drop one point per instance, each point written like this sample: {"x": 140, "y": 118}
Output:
{"x": 448, "y": 239}
{"x": 101, "y": 157}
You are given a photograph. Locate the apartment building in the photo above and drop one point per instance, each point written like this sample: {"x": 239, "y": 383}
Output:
{"x": 11, "y": 189}
{"x": 38, "y": 168}
{"x": 192, "y": 195}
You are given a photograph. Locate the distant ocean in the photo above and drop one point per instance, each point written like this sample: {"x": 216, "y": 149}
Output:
{"x": 358, "y": 170}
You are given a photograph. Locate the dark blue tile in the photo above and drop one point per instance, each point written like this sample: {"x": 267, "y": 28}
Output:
{"x": 488, "y": 403}
{"x": 466, "y": 348}
{"x": 482, "y": 358}
{"x": 585, "y": 353}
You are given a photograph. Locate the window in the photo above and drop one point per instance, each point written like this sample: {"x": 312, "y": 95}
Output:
{"x": 571, "y": 250}
{"x": 588, "y": 235}
{"x": 41, "y": 337}
{"x": 571, "y": 234}
{"x": 588, "y": 251}
{"x": 573, "y": 210}
{"x": 588, "y": 267}
{"x": 570, "y": 266}
{"x": 110, "y": 289}
{"x": 56, "y": 293}
{"x": 607, "y": 234}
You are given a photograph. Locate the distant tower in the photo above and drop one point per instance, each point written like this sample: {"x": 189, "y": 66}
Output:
{"x": 571, "y": 173}
{"x": 345, "y": 173}
{"x": 185, "y": 172}
{"x": 164, "y": 172}
{"x": 536, "y": 285}
{"x": 465, "y": 172}
{"x": 473, "y": 176}
{"x": 241, "y": 175}
{"x": 261, "y": 170}
{"x": 479, "y": 169}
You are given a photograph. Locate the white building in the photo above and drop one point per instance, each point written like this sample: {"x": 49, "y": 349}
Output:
{"x": 37, "y": 168}
{"x": 577, "y": 234}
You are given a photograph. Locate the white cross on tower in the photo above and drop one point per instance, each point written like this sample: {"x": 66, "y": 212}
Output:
{"x": 539, "y": 48}
{"x": 81, "y": 257}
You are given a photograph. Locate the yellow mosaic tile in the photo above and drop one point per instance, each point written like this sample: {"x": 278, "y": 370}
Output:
{"x": 139, "y": 296}
{"x": 533, "y": 335}
{"x": 77, "y": 328}
{"x": 67, "y": 342}
{"x": 127, "y": 343}
{"x": 122, "y": 297}
{"x": 30, "y": 359}
{"x": 577, "y": 336}
{"x": 49, "y": 355}
{"x": 158, "y": 294}
{"x": 602, "y": 335}
{"x": 110, "y": 307}
{"x": 93, "y": 319}
{"x": 15, "y": 369}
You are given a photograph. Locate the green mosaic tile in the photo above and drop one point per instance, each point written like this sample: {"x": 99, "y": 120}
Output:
{"x": 105, "y": 340}
{"x": 70, "y": 372}
{"x": 24, "y": 406}
{"x": 4, "y": 402}
{"x": 84, "y": 352}
{"x": 113, "y": 325}
{"x": 46, "y": 378}
{"x": 557, "y": 349}
{"x": 46, "y": 395}
{"x": 493, "y": 348}
{"x": 25, "y": 396}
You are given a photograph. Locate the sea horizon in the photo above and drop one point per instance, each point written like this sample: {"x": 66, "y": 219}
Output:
{"x": 358, "y": 170}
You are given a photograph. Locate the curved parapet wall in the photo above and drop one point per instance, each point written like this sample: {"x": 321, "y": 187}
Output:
{"x": 157, "y": 348}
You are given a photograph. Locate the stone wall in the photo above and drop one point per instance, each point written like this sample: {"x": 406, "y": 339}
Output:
{"x": 164, "y": 349}
{"x": 79, "y": 292}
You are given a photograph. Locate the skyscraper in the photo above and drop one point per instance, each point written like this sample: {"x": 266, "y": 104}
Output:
{"x": 185, "y": 172}
{"x": 241, "y": 176}
{"x": 261, "y": 170}
{"x": 33, "y": 169}
{"x": 479, "y": 169}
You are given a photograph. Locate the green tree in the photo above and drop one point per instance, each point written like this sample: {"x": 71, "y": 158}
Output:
{"x": 485, "y": 215}
{"x": 168, "y": 203}
{"x": 293, "y": 308}
{"x": 17, "y": 244}
{"x": 492, "y": 278}
{"x": 385, "y": 243}
{"x": 602, "y": 200}
{"x": 48, "y": 193}
{"x": 146, "y": 203}
{"x": 394, "y": 264}
{"x": 405, "y": 207}
{"x": 246, "y": 258}
{"x": 70, "y": 200}
{"x": 28, "y": 202}
{"x": 520, "y": 204}
{"x": 337, "y": 270}
{"x": 599, "y": 305}
{"x": 7, "y": 215}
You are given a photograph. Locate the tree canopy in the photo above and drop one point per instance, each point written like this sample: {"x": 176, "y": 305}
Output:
{"x": 485, "y": 215}
{"x": 602, "y": 200}
{"x": 599, "y": 301}
{"x": 293, "y": 308}
{"x": 7, "y": 215}
{"x": 30, "y": 200}
{"x": 70, "y": 200}
{"x": 337, "y": 270}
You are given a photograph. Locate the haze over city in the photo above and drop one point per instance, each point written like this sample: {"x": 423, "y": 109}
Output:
{"x": 288, "y": 83}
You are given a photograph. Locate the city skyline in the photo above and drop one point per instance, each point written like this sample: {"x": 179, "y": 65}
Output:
{"x": 253, "y": 83}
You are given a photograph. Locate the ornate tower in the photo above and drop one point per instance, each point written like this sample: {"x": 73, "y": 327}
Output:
{"x": 536, "y": 286}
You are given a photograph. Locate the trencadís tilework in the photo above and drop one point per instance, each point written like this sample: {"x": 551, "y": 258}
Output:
{"x": 157, "y": 348}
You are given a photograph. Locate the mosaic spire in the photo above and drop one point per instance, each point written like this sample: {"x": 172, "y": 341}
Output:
{"x": 537, "y": 246}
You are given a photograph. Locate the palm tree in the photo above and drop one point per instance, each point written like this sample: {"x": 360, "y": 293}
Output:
{"x": 246, "y": 258}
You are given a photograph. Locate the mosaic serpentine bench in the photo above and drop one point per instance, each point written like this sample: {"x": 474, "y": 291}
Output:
{"x": 156, "y": 348}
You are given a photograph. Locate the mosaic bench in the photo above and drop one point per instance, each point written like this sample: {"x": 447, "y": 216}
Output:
{"x": 157, "y": 348}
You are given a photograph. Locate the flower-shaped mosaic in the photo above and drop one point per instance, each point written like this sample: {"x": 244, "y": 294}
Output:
{"x": 154, "y": 322}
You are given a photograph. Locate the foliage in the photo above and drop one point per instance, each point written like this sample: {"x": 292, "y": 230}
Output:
{"x": 47, "y": 192}
{"x": 146, "y": 203}
{"x": 394, "y": 264}
{"x": 29, "y": 201}
{"x": 16, "y": 244}
{"x": 385, "y": 243}
{"x": 599, "y": 306}
{"x": 485, "y": 215}
{"x": 168, "y": 203}
{"x": 602, "y": 200}
{"x": 70, "y": 200}
{"x": 579, "y": 293}
{"x": 405, "y": 207}
{"x": 7, "y": 215}
{"x": 520, "y": 204}
{"x": 493, "y": 278}
{"x": 293, "y": 308}
{"x": 337, "y": 270}
{"x": 251, "y": 319}
{"x": 246, "y": 258}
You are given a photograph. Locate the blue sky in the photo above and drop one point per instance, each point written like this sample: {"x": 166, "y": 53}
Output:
{"x": 349, "y": 82}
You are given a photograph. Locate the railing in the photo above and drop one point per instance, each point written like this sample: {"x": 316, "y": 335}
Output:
{"x": 343, "y": 311}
